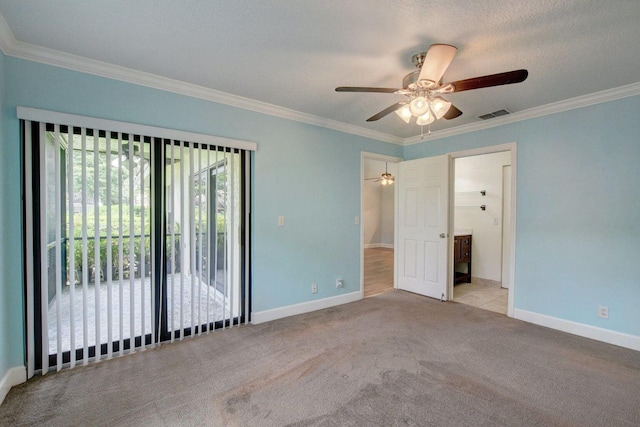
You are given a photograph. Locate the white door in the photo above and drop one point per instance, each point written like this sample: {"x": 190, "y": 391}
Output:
{"x": 423, "y": 224}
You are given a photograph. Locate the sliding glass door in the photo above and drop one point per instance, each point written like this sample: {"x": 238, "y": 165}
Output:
{"x": 93, "y": 232}
{"x": 131, "y": 240}
{"x": 203, "y": 238}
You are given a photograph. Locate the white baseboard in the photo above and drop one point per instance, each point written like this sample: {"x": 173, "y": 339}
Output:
{"x": 580, "y": 329}
{"x": 13, "y": 377}
{"x": 305, "y": 307}
{"x": 378, "y": 245}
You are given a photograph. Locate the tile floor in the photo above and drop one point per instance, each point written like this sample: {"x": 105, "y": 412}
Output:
{"x": 481, "y": 293}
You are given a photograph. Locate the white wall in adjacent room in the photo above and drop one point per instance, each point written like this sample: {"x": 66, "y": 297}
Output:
{"x": 387, "y": 210}
{"x": 371, "y": 214}
{"x": 378, "y": 211}
{"x": 473, "y": 174}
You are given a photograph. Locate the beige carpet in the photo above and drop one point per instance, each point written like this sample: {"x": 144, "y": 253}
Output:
{"x": 392, "y": 360}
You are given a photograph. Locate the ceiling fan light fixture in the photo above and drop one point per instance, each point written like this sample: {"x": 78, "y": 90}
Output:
{"x": 425, "y": 119}
{"x": 440, "y": 106}
{"x": 387, "y": 179}
{"x": 404, "y": 113}
{"x": 419, "y": 106}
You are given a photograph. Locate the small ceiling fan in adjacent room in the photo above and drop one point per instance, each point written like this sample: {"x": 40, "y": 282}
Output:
{"x": 385, "y": 179}
{"x": 423, "y": 87}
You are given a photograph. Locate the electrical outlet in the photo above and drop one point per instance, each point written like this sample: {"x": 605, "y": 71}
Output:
{"x": 339, "y": 283}
{"x": 314, "y": 288}
{"x": 603, "y": 312}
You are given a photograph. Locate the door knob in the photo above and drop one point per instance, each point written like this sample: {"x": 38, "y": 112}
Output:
{"x": 442, "y": 235}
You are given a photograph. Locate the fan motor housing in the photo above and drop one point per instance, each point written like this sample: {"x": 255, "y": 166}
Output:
{"x": 410, "y": 78}
{"x": 417, "y": 60}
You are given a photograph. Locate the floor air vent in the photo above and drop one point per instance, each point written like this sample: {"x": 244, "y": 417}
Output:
{"x": 498, "y": 113}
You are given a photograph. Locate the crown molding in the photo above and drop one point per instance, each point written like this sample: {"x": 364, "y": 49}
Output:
{"x": 15, "y": 48}
{"x": 12, "y": 47}
{"x": 543, "y": 110}
{"x": 7, "y": 40}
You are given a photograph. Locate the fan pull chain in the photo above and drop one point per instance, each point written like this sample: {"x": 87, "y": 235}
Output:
{"x": 422, "y": 131}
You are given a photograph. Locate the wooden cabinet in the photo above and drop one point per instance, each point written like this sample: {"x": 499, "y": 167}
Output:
{"x": 462, "y": 255}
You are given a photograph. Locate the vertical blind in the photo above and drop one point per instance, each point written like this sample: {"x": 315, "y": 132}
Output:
{"x": 131, "y": 239}
{"x": 203, "y": 250}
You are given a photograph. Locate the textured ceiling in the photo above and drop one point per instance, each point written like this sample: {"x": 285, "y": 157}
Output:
{"x": 294, "y": 53}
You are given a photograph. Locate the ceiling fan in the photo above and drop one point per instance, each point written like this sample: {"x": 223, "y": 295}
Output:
{"x": 424, "y": 87}
{"x": 386, "y": 177}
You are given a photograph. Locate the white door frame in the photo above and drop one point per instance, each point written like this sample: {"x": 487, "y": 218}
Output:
{"x": 511, "y": 147}
{"x": 506, "y": 226}
{"x": 373, "y": 156}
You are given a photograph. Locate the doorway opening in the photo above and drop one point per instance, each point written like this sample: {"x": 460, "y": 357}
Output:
{"x": 378, "y": 224}
{"x": 481, "y": 214}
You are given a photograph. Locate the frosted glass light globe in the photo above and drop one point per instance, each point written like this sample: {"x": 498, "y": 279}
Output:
{"x": 419, "y": 106}
{"x": 440, "y": 106}
{"x": 404, "y": 113}
{"x": 425, "y": 119}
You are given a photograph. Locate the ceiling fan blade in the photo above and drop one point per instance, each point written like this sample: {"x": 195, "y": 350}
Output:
{"x": 507, "y": 78}
{"x": 390, "y": 109}
{"x": 437, "y": 61}
{"x": 366, "y": 89}
{"x": 452, "y": 113}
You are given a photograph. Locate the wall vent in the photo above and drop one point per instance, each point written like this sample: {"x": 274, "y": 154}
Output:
{"x": 498, "y": 113}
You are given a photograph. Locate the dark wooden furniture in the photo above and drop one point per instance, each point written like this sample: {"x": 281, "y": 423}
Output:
{"x": 461, "y": 255}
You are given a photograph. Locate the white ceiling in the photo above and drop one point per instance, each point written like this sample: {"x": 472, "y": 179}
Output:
{"x": 293, "y": 54}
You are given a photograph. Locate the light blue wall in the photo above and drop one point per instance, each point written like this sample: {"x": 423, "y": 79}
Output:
{"x": 309, "y": 174}
{"x": 320, "y": 242}
{"x": 11, "y": 329}
{"x": 578, "y": 210}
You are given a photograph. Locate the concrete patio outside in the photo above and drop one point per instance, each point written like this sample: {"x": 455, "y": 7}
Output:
{"x": 206, "y": 303}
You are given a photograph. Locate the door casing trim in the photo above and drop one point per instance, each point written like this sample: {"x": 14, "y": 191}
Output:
{"x": 512, "y": 148}
{"x": 391, "y": 159}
